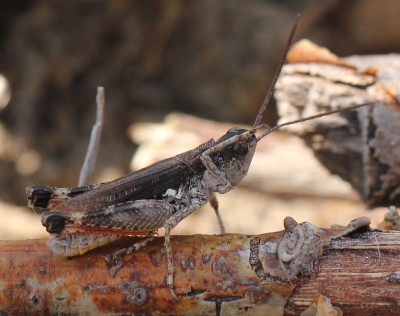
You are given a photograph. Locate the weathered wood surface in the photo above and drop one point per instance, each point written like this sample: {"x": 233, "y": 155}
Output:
{"x": 362, "y": 147}
{"x": 215, "y": 275}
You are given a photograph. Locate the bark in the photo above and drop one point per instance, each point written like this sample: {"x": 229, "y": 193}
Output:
{"x": 269, "y": 274}
{"x": 361, "y": 147}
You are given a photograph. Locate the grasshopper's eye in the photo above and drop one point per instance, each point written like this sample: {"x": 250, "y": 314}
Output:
{"x": 55, "y": 224}
{"x": 240, "y": 149}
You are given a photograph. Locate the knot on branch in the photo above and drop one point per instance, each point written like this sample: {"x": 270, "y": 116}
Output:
{"x": 300, "y": 245}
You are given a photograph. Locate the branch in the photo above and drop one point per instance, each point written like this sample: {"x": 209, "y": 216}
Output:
{"x": 94, "y": 142}
{"x": 360, "y": 146}
{"x": 268, "y": 274}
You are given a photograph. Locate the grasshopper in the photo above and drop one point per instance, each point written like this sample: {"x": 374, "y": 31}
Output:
{"x": 160, "y": 195}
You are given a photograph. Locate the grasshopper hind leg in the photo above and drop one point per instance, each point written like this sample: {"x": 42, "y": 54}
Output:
{"x": 70, "y": 245}
{"x": 135, "y": 247}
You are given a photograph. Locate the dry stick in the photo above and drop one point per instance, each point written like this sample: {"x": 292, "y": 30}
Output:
{"x": 214, "y": 273}
{"x": 94, "y": 142}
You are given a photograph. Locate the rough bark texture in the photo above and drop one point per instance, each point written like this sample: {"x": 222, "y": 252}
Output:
{"x": 270, "y": 274}
{"x": 362, "y": 147}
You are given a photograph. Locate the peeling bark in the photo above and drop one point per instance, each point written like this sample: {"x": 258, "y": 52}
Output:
{"x": 215, "y": 275}
{"x": 362, "y": 147}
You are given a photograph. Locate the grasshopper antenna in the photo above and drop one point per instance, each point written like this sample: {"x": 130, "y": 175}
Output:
{"x": 271, "y": 88}
{"x": 276, "y": 127}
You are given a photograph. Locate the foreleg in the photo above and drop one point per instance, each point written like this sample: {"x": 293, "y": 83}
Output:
{"x": 215, "y": 205}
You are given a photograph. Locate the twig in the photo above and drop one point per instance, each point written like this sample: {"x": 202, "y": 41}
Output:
{"x": 213, "y": 274}
{"x": 94, "y": 143}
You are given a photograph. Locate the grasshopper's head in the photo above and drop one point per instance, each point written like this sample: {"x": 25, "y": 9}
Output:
{"x": 238, "y": 147}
